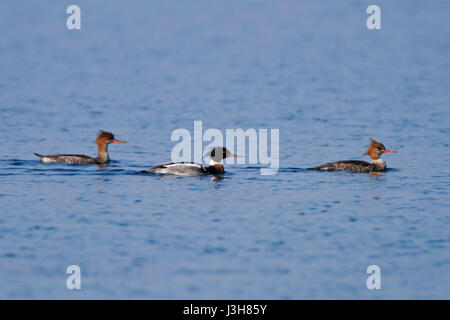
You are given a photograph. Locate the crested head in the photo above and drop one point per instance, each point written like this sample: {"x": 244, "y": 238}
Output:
{"x": 105, "y": 137}
{"x": 376, "y": 149}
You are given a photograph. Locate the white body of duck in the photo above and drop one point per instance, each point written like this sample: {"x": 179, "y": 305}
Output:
{"x": 194, "y": 169}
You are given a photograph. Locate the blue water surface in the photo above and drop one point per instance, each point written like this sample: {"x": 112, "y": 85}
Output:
{"x": 142, "y": 69}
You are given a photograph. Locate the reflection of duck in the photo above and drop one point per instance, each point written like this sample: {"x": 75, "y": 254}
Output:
{"x": 103, "y": 140}
{"x": 375, "y": 150}
{"x": 193, "y": 169}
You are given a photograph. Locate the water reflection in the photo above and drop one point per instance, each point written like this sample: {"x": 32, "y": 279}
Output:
{"x": 376, "y": 174}
{"x": 216, "y": 178}
{"x": 102, "y": 165}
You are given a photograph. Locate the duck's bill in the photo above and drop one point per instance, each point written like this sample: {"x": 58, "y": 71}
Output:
{"x": 389, "y": 151}
{"x": 118, "y": 141}
{"x": 234, "y": 156}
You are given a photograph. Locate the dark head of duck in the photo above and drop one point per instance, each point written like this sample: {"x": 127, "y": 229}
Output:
{"x": 217, "y": 154}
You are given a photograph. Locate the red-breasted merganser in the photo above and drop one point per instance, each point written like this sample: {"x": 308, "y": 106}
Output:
{"x": 217, "y": 154}
{"x": 103, "y": 140}
{"x": 375, "y": 150}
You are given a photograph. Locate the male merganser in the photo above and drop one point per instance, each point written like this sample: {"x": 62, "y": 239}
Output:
{"x": 103, "y": 140}
{"x": 217, "y": 154}
{"x": 375, "y": 150}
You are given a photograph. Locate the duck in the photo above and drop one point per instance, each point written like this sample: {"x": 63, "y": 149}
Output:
{"x": 217, "y": 155}
{"x": 104, "y": 139}
{"x": 375, "y": 150}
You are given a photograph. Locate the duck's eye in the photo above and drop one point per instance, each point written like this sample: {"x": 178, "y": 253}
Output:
{"x": 379, "y": 148}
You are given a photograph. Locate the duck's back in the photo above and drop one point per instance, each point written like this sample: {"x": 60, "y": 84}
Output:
{"x": 179, "y": 168}
{"x": 68, "y": 158}
{"x": 347, "y": 165}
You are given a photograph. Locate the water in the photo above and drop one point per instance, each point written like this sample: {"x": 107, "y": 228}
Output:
{"x": 140, "y": 70}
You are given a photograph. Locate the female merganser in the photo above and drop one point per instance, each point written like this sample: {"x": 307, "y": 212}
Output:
{"x": 103, "y": 140}
{"x": 375, "y": 150}
{"x": 217, "y": 154}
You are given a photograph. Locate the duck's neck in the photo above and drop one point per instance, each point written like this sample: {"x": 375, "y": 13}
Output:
{"x": 103, "y": 155}
{"x": 379, "y": 163}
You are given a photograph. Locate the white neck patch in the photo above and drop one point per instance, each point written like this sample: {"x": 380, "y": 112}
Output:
{"x": 378, "y": 161}
{"x": 213, "y": 163}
